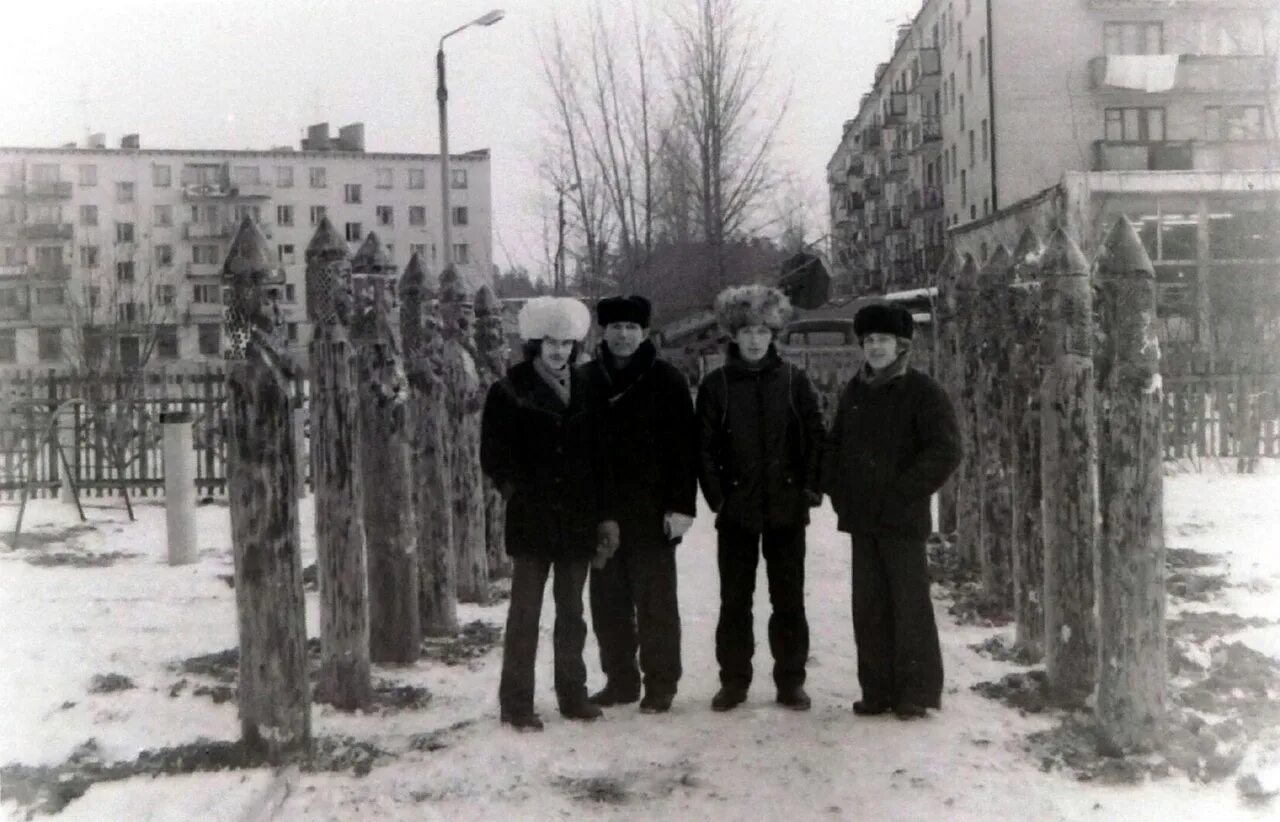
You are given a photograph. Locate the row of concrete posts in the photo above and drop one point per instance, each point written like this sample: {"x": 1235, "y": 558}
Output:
{"x": 1055, "y": 366}
{"x": 405, "y": 526}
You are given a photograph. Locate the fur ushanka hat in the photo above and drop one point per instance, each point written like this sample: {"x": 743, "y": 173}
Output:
{"x": 563, "y": 318}
{"x": 632, "y": 309}
{"x": 742, "y": 305}
{"x": 883, "y": 318}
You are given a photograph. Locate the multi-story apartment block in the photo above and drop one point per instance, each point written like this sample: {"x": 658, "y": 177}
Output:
{"x": 125, "y": 246}
{"x": 987, "y": 103}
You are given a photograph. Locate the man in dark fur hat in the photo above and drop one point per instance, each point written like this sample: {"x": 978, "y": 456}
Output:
{"x": 648, "y": 417}
{"x": 893, "y": 444}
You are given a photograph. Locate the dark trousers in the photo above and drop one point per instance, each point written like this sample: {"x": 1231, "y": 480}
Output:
{"x": 520, "y": 643}
{"x": 634, "y": 605}
{"x": 899, "y": 659}
{"x": 738, "y": 552}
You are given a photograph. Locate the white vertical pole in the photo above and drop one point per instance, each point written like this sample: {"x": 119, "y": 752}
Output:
{"x": 179, "y": 486}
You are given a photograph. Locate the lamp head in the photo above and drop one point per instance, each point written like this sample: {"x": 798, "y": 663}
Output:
{"x": 489, "y": 18}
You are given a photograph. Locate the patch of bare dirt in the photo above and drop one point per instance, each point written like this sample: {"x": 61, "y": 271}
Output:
{"x": 110, "y": 683}
{"x": 44, "y": 538}
{"x": 474, "y": 640}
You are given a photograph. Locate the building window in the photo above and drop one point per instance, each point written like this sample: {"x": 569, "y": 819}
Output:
{"x": 204, "y": 214}
{"x": 46, "y": 173}
{"x": 50, "y": 295}
{"x": 290, "y": 293}
{"x": 161, "y": 176}
{"x": 351, "y": 193}
{"x": 972, "y": 153}
{"x": 385, "y": 176}
{"x": 284, "y": 215}
{"x": 167, "y": 341}
{"x": 459, "y": 215}
{"x": 204, "y": 254}
{"x": 353, "y": 232}
{"x": 1233, "y": 123}
{"x": 391, "y": 252}
{"x": 166, "y": 294}
{"x": 1134, "y": 37}
{"x": 968, "y": 70}
{"x": 8, "y": 346}
{"x": 284, "y": 176}
{"x": 417, "y": 178}
{"x": 162, "y": 215}
{"x": 982, "y": 56}
{"x": 386, "y": 215}
{"x": 285, "y": 251}
{"x": 88, "y": 175}
{"x": 246, "y": 175}
{"x": 164, "y": 256}
{"x": 418, "y": 248}
{"x": 962, "y": 112}
{"x": 124, "y": 192}
{"x": 964, "y": 187}
{"x": 291, "y": 332}
{"x": 124, "y": 232}
{"x": 461, "y": 253}
{"x": 951, "y": 81}
{"x": 124, "y": 271}
{"x": 88, "y": 215}
{"x": 317, "y": 214}
{"x": 457, "y": 178}
{"x": 253, "y": 212}
{"x": 986, "y": 206}
{"x": 1134, "y": 124}
{"x": 93, "y": 296}
{"x": 417, "y": 215}
{"x": 49, "y": 343}
{"x": 955, "y": 164}
{"x": 317, "y": 177}
{"x": 210, "y": 338}
{"x": 985, "y": 149}
{"x": 207, "y": 294}
{"x": 88, "y": 256}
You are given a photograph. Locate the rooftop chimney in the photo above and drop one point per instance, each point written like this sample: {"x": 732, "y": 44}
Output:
{"x": 96, "y": 140}
{"x": 351, "y": 137}
{"x": 131, "y": 142}
{"x": 317, "y": 138}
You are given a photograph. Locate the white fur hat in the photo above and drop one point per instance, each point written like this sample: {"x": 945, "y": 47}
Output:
{"x": 742, "y": 305}
{"x": 563, "y": 318}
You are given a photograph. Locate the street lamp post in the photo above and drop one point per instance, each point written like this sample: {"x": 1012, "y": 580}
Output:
{"x": 559, "y": 279}
{"x": 442, "y": 100}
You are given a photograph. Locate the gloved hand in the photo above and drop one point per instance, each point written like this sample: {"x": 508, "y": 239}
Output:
{"x": 675, "y": 524}
{"x": 813, "y": 497}
{"x": 608, "y": 537}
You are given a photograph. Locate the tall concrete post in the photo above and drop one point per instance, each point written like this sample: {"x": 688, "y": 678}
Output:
{"x": 179, "y": 486}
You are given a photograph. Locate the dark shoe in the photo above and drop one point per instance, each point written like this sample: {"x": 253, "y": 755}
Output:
{"x": 728, "y": 698}
{"x": 523, "y": 721}
{"x": 608, "y": 696}
{"x": 585, "y": 710}
{"x": 794, "y": 698}
{"x": 655, "y": 703}
{"x": 909, "y": 710}
{"x": 866, "y": 708}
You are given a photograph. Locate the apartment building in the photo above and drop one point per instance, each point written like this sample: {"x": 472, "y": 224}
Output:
{"x": 124, "y": 246}
{"x": 993, "y": 101}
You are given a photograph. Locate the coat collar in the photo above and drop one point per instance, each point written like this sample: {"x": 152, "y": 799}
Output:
{"x": 619, "y": 380}
{"x": 738, "y": 367}
{"x": 533, "y": 390}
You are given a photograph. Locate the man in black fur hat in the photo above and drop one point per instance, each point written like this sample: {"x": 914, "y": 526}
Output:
{"x": 893, "y": 444}
{"x": 648, "y": 416}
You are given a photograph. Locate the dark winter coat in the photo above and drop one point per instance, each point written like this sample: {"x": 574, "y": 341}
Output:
{"x": 891, "y": 447}
{"x": 648, "y": 416}
{"x": 760, "y": 440}
{"x": 549, "y": 460}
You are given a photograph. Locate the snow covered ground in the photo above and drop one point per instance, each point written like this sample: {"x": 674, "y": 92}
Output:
{"x": 62, "y": 624}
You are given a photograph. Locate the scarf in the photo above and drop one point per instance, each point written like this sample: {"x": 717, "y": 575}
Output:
{"x": 875, "y": 379}
{"x": 558, "y": 380}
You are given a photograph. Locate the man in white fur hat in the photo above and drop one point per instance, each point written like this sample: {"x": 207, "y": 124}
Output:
{"x": 542, "y": 445}
{"x": 760, "y": 445}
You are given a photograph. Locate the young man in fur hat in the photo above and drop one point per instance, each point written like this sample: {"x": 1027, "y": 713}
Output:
{"x": 760, "y": 444}
{"x": 543, "y": 446}
{"x": 893, "y": 444}
{"x": 648, "y": 416}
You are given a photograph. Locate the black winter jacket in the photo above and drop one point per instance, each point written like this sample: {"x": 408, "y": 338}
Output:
{"x": 760, "y": 442}
{"x": 891, "y": 447}
{"x": 551, "y": 460}
{"x": 648, "y": 416}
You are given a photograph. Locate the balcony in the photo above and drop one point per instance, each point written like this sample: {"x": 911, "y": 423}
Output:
{"x": 48, "y": 231}
{"x": 927, "y": 133}
{"x": 1213, "y": 73}
{"x": 50, "y": 271}
{"x": 250, "y": 190}
{"x": 895, "y": 108}
{"x": 924, "y": 199}
{"x": 857, "y": 166}
{"x": 1181, "y": 155}
{"x": 206, "y": 231}
{"x": 204, "y": 191}
{"x": 871, "y": 186}
{"x": 19, "y": 270}
{"x": 897, "y": 220}
{"x": 39, "y": 190}
{"x": 897, "y": 165}
{"x": 203, "y": 312}
{"x": 9, "y": 313}
{"x": 204, "y": 269}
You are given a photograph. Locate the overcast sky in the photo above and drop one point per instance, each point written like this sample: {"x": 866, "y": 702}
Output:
{"x": 240, "y": 74}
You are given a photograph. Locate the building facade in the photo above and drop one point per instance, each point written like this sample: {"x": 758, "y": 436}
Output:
{"x": 120, "y": 250}
{"x": 986, "y": 103}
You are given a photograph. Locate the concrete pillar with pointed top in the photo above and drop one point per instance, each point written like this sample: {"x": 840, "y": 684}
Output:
{"x": 995, "y": 554}
{"x": 491, "y": 353}
{"x": 1068, "y": 471}
{"x": 968, "y": 484}
{"x": 1027, "y": 544}
{"x": 273, "y": 694}
{"x": 466, "y": 401}
{"x": 341, "y": 567}
{"x": 1132, "y": 641}
{"x": 429, "y": 417}
{"x": 386, "y": 462}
